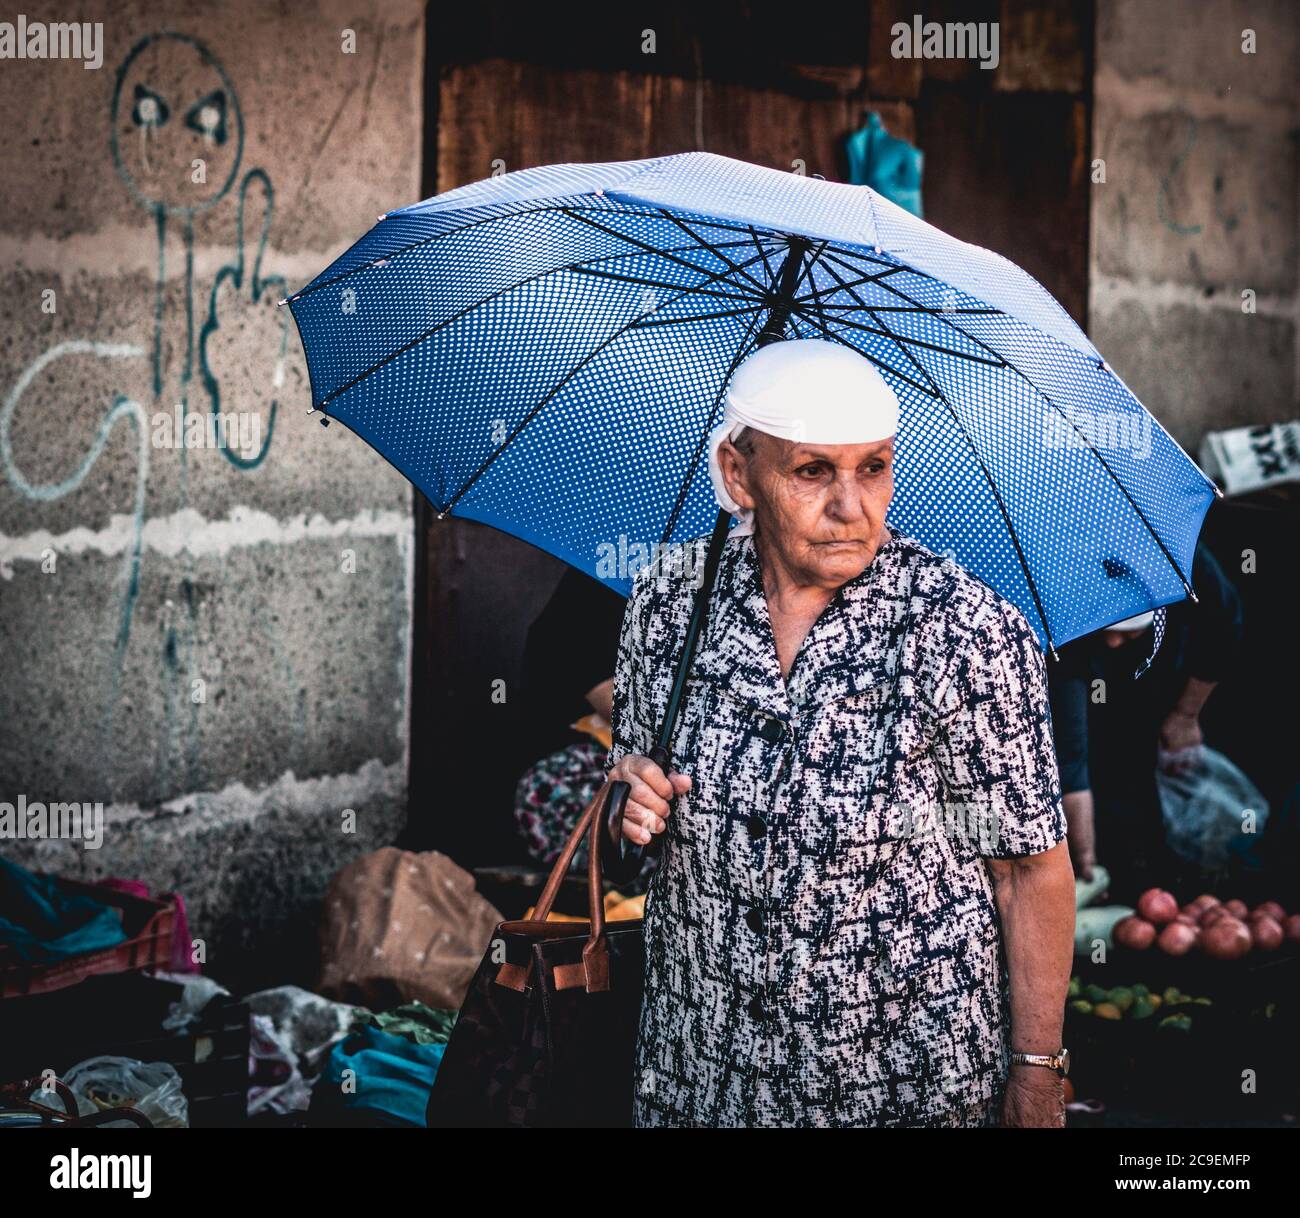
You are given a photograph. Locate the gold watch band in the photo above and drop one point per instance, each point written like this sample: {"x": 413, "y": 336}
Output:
{"x": 1060, "y": 1062}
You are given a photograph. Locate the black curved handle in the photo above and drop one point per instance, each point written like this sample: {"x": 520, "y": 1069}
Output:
{"x": 623, "y": 859}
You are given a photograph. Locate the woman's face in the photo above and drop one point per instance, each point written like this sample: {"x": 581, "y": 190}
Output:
{"x": 819, "y": 508}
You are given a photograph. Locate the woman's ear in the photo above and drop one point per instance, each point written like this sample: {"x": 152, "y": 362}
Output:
{"x": 734, "y": 467}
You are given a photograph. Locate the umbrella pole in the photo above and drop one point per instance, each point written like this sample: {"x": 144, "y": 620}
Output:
{"x": 622, "y": 860}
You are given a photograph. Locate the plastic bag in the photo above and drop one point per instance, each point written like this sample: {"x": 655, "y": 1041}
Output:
{"x": 112, "y": 1082}
{"x": 1204, "y": 809}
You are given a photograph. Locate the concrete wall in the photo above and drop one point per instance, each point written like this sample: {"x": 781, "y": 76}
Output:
{"x": 1199, "y": 140}
{"x": 278, "y": 576}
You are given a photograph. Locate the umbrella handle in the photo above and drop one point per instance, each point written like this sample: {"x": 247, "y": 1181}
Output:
{"x": 623, "y": 859}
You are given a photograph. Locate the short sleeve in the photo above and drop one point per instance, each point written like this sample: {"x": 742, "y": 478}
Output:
{"x": 631, "y": 731}
{"x": 994, "y": 749}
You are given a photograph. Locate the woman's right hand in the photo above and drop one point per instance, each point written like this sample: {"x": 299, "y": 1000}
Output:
{"x": 647, "y": 808}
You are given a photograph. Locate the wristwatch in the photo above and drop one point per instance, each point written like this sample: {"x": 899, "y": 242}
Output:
{"x": 1060, "y": 1062}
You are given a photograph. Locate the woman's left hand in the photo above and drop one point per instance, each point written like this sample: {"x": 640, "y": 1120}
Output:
{"x": 1035, "y": 1099}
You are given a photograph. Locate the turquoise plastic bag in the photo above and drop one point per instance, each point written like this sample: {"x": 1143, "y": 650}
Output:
{"x": 40, "y": 922}
{"x": 392, "y": 1074}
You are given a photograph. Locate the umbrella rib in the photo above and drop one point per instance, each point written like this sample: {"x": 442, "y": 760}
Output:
{"x": 815, "y": 296}
{"x": 919, "y": 309}
{"x": 974, "y": 359}
{"x": 767, "y": 266}
{"x": 771, "y": 291}
{"x": 996, "y": 361}
{"x": 893, "y": 270}
{"x": 1090, "y": 446}
{"x": 715, "y": 250}
{"x": 677, "y": 321}
{"x": 847, "y": 252}
{"x": 693, "y": 464}
{"x": 650, "y": 249}
{"x": 659, "y": 283}
{"x": 533, "y": 412}
{"x": 825, "y": 329}
{"x": 984, "y": 469}
{"x": 446, "y": 321}
{"x": 464, "y": 228}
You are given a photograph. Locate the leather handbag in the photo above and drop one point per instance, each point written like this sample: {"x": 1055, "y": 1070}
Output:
{"x": 547, "y": 1034}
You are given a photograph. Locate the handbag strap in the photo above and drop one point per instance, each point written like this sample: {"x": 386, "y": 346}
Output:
{"x": 593, "y": 972}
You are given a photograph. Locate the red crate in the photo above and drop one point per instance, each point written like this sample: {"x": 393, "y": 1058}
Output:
{"x": 149, "y": 924}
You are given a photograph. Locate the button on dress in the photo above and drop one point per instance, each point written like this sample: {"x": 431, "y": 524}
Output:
{"x": 822, "y": 944}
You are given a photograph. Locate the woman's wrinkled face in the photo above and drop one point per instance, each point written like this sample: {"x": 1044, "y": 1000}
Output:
{"x": 818, "y": 508}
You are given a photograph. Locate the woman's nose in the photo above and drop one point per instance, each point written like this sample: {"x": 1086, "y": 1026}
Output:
{"x": 845, "y": 501}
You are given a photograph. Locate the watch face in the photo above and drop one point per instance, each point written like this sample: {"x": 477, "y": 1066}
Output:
{"x": 1065, "y": 1061}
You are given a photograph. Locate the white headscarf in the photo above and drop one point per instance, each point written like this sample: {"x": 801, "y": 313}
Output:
{"x": 803, "y": 389}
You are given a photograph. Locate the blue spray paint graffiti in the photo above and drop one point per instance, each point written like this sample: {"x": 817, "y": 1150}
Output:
{"x": 176, "y": 140}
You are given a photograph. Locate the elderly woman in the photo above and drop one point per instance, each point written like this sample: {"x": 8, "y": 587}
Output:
{"x": 864, "y": 911}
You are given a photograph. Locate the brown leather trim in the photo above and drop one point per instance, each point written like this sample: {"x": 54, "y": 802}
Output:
{"x": 513, "y": 977}
{"x": 569, "y": 976}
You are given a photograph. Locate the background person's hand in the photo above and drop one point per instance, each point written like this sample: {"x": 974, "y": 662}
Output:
{"x": 1180, "y": 742}
{"x": 1080, "y": 826}
{"x": 647, "y": 809}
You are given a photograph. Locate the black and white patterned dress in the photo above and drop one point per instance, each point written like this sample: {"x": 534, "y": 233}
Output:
{"x": 822, "y": 944}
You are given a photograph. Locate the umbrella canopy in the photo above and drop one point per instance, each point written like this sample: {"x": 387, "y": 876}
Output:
{"x": 546, "y": 352}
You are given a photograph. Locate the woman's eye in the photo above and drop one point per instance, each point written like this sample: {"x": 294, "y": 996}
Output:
{"x": 810, "y": 471}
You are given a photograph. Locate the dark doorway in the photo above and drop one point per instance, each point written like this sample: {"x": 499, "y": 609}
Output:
{"x": 1006, "y": 166}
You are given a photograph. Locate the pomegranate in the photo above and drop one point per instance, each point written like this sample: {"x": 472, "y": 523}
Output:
{"x": 1177, "y": 939}
{"x": 1135, "y": 933}
{"x": 1158, "y": 906}
{"x": 1227, "y": 939}
{"x": 1266, "y": 935}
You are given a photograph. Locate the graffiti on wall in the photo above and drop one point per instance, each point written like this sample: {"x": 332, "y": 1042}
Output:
{"x": 177, "y": 143}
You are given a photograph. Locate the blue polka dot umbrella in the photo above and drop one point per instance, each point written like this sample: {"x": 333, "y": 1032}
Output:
{"x": 546, "y": 352}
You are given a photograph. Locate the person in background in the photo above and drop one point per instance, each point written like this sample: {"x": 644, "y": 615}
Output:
{"x": 568, "y": 688}
{"x": 1112, "y": 731}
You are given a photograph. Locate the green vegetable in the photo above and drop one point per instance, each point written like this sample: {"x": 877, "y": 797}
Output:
{"x": 1182, "y": 1023}
{"x": 1121, "y": 996}
{"x": 1087, "y": 891}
